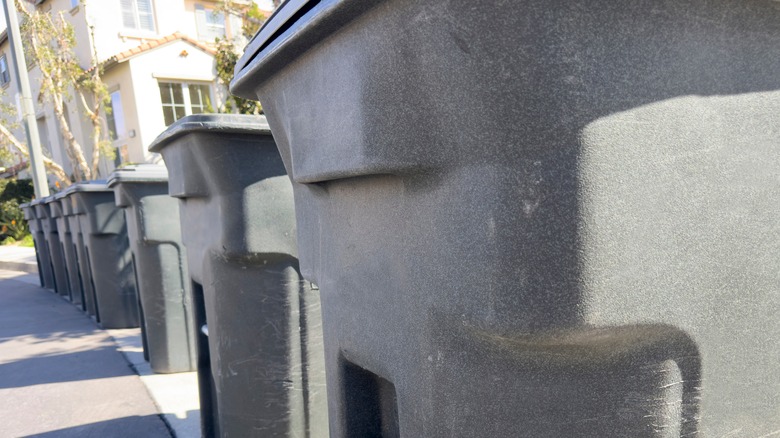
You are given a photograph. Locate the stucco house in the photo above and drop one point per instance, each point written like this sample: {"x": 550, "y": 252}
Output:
{"x": 158, "y": 61}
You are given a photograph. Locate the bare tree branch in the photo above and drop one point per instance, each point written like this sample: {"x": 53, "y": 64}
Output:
{"x": 21, "y": 150}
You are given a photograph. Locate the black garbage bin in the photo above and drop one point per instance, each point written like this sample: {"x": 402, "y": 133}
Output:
{"x": 51, "y": 235}
{"x": 45, "y": 275}
{"x": 57, "y": 210}
{"x": 535, "y": 218}
{"x": 107, "y": 251}
{"x": 260, "y": 348}
{"x": 71, "y": 210}
{"x": 159, "y": 259}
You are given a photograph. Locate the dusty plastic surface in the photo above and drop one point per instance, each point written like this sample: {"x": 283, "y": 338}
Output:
{"x": 48, "y": 222}
{"x": 159, "y": 258}
{"x": 110, "y": 261}
{"x": 58, "y": 208}
{"x": 45, "y": 274}
{"x": 536, "y": 218}
{"x": 261, "y": 365}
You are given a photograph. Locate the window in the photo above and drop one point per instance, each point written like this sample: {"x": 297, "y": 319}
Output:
{"x": 5, "y": 75}
{"x": 211, "y": 24}
{"x": 181, "y": 99}
{"x": 115, "y": 117}
{"x": 137, "y": 14}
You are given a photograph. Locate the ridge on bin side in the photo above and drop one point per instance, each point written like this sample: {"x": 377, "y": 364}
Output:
{"x": 159, "y": 261}
{"x": 260, "y": 347}
{"x": 48, "y": 221}
{"x": 107, "y": 252}
{"x": 535, "y": 218}
{"x": 45, "y": 275}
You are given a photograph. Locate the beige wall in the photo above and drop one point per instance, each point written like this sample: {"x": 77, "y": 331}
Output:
{"x": 164, "y": 64}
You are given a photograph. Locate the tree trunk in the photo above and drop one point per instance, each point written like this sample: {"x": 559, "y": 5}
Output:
{"x": 75, "y": 152}
{"x": 54, "y": 168}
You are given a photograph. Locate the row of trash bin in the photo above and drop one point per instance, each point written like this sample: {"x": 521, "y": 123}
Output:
{"x": 205, "y": 263}
{"x": 521, "y": 219}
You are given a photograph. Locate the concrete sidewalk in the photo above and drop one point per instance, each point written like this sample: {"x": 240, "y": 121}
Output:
{"x": 61, "y": 375}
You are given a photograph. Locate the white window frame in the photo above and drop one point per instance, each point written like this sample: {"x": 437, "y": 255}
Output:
{"x": 118, "y": 117}
{"x": 212, "y": 27}
{"x": 137, "y": 18}
{"x": 185, "y": 91}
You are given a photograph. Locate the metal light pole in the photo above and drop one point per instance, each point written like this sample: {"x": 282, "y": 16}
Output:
{"x": 28, "y": 111}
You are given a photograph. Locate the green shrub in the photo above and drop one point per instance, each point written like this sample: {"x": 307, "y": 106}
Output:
{"x": 12, "y": 223}
{"x": 14, "y": 192}
{"x": 27, "y": 241}
{"x": 20, "y": 190}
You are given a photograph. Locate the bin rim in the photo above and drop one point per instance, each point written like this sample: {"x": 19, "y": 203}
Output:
{"x": 40, "y": 201}
{"x": 270, "y": 30}
{"x": 138, "y": 173}
{"x": 297, "y": 25}
{"x": 26, "y": 204}
{"x": 212, "y": 123}
{"x": 51, "y": 198}
{"x": 59, "y": 195}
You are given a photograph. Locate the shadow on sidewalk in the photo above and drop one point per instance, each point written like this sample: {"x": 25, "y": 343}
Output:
{"x": 57, "y": 368}
{"x": 148, "y": 426}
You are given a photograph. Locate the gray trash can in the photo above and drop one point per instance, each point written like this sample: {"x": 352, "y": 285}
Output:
{"x": 45, "y": 275}
{"x": 162, "y": 280}
{"x": 71, "y": 211}
{"x": 57, "y": 211}
{"x": 49, "y": 225}
{"x": 108, "y": 255}
{"x": 260, "y": 350}
{"x": 533, "y": 218}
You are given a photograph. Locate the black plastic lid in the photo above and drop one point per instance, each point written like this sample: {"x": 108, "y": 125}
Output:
{"x": 139, "y": 173}
{"x": 212, "y": 123}
{"x": 98, "y": 185}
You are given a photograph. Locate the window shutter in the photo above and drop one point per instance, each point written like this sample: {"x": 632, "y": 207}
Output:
{"x": 128, "y": 14}
{"x": 145, "y": 15}
{"x": 200, "y": 22}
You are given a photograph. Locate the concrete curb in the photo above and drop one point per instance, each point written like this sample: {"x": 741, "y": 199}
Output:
{"x": 30, "y": 268}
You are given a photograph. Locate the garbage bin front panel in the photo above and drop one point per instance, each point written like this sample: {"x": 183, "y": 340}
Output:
{"x": 576, "y": 203}
{"x": 260, "y": 197}
{"x": 109, "y": 258}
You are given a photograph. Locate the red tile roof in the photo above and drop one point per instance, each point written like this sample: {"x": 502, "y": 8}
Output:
{"x": 149, "y": 45}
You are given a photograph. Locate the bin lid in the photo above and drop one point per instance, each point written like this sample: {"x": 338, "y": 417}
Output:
{"x": 63, "y": 193}
{"x": 25, "y": 205}
{"x": 212, "y": 123}
{"x": 274, "y": 27}
{"x": 139, "y": 173}
{"x": 51, "y": 198}
{"x": 98, "y": 185}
